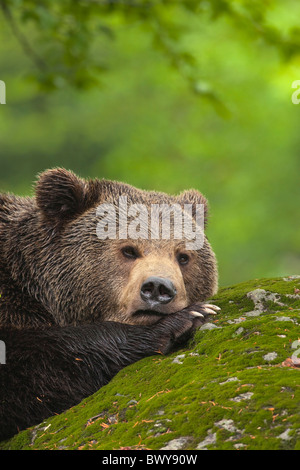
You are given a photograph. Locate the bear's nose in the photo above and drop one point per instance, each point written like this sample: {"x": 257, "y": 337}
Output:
{"x": 157, "y": 290}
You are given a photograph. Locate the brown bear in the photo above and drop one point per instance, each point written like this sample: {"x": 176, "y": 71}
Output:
{"x": 88, "y": 285}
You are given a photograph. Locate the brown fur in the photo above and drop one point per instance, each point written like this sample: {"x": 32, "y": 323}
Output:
{"x": 61, "y": 287}
{"x": 55, "y": 270}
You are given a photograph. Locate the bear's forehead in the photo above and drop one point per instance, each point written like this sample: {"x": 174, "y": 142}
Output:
{"x": 112, "y": 190}
{"x": 136, "y": 196}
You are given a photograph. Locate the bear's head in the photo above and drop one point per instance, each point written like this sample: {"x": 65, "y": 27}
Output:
{"x": 112, "y": 252}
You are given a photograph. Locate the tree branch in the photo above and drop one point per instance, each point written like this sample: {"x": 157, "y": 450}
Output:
{"x": 21, "y": 38}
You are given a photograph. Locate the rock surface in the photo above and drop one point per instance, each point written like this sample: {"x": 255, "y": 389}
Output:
{"x": 235, "y": 387}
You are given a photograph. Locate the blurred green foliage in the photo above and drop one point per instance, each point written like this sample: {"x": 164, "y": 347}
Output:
{"x": 164, "y": 95}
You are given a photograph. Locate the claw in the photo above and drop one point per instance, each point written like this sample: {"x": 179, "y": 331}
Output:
{"x": 215, "y": 307}
{"x": 209, "y": 311}
{"x": 197, "y": 314}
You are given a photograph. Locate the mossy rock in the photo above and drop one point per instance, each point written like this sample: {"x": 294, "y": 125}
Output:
{"x": 236, "y": 386}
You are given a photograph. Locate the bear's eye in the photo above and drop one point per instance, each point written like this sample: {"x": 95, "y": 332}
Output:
{"x": 183, "y": 258}
{"x": 130, "y": 252}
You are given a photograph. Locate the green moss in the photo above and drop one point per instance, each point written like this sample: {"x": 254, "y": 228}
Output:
{"x": 233, "y": 382}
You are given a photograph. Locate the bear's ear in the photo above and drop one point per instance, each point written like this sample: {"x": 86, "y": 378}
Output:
{"x": 62, "y": 196}
{"x": 192, "y": 196}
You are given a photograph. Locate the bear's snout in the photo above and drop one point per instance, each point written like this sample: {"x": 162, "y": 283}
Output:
{"x": 155, "y": 287}
{"x": 157, "y": 290}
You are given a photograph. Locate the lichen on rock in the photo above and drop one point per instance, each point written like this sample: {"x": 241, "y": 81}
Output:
{"x": 236, "y": 386}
